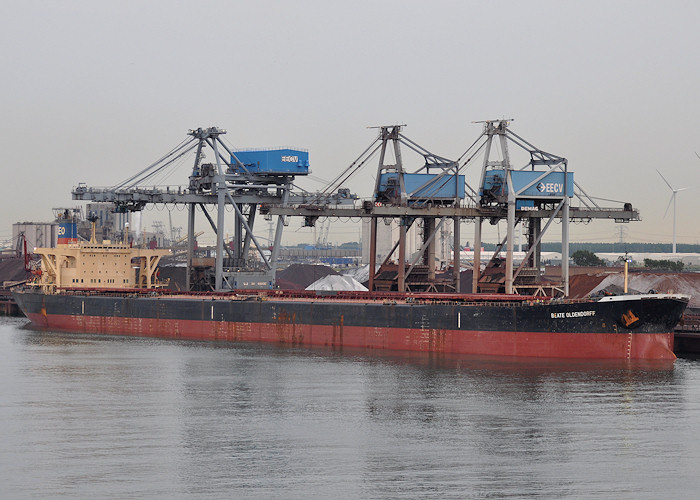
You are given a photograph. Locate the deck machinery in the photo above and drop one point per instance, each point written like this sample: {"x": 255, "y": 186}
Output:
{"x": 262, "y": 181}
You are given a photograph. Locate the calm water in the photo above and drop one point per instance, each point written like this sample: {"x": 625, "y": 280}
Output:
{"x": 110, "y": 417}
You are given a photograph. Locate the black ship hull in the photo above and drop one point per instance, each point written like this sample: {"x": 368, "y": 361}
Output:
{"x": 613, "y": 327}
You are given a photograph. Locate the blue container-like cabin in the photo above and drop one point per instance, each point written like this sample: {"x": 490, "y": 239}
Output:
{"x": 272, "y": 162}
{"x": 421, "y": 187}
{"x": 530, "y": 184}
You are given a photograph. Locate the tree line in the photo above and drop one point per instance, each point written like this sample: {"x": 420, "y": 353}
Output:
{"x": 585, "y": 258}
{"x": 614, "y": 247}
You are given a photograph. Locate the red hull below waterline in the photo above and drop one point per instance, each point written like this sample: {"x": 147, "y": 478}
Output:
{"x": 583, "y": 345}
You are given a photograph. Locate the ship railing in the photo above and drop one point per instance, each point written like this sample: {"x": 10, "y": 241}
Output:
{"x": 48, "y": 288}
{"x": 390, "y": 298}
{"x": 540, "y": 290}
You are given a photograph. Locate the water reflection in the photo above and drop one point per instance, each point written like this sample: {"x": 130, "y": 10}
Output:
{"x": 131, "y": 417}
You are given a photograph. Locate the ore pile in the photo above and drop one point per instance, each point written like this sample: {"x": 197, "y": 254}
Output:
{"x": 299, "y": 276}
{"x": 175, "y": 277}
{"x": 12, "y": 270}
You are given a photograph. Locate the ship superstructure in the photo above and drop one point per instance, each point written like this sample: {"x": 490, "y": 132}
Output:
{"x": 75, "y": 264}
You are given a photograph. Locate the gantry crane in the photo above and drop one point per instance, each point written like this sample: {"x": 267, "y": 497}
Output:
{"x": 540, "y": 190}
{"x": 243, "y": 180}
{"x": 249, "y": 183}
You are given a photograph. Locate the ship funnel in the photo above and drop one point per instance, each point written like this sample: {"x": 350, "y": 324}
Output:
{"x": 67, "y": 233}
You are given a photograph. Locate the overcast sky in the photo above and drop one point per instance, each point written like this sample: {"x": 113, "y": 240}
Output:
{"x": 94, "y": 91}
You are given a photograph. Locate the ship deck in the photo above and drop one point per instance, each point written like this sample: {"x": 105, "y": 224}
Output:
{"x": 353, "y": 297}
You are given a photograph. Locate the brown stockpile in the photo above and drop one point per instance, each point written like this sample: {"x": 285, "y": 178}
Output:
{"x": 684, "y": 283}
{"x": 299, "y": 276}
{"x": 175, "y": 276}
{"x": 580, "y": 285}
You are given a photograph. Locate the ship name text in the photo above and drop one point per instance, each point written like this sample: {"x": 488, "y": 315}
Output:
{"x": 572, "y": 314}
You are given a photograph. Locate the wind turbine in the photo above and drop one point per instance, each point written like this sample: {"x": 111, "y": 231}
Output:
{"x": 672, "y": 200}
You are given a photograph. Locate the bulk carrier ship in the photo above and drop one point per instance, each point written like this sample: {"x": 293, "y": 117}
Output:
{"x": 127, "y": 299}
{"x": 112, "y": 288}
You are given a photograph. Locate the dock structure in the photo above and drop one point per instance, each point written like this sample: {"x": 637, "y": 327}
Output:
{"x": 686, "y": 343}
{"x": 686, "y": 337}
{"x": 247, "y": 183}
{"x": 8, "y": 307}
